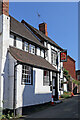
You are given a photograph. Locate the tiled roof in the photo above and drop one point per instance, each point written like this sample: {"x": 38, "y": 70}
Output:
{"x": 30, "y": 59}
{"x": 19, "y": 29}
{"x": 41, "y": 35}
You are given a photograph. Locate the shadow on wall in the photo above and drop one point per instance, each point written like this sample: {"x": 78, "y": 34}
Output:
{"x": 5, "y": 82}
{"x": 30, "y": 98}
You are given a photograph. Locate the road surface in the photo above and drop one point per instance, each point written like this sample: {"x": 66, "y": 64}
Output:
{"x": 70, "y": 108}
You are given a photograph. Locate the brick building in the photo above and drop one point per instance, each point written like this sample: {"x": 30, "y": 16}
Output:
{"x": 70, "y": 67}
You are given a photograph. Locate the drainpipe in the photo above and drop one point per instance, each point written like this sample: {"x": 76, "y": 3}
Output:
{"x": 14, "y": 93}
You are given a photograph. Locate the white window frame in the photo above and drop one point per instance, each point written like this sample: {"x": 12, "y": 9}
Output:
{"x": 46, "y": 78}
{"x": 26, "y": 75}
{"x": 26, "y": 46}
{"x": 53, "y": 57}
{"x": 32, "y": 49}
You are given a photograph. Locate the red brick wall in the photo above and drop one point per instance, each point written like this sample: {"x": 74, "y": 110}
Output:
{"x": 43, "y": 28}
{"x": 70, "y": 66}
{"x": 4, "y": 7}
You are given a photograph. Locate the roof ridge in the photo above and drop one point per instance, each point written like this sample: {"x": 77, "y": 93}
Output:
{"x": 46, "y": 37}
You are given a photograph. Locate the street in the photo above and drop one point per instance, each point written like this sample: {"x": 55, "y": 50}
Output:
{"x": 68, "y": 109}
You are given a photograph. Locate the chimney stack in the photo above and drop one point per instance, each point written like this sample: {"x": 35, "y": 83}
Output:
{"x": 43, "y": 28}
{"x": 4, "y": 7}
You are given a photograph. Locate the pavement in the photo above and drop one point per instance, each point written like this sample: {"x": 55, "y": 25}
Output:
{"x": 69, "y": 108}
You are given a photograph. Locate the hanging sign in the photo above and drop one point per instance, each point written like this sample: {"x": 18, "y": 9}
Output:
{"x": 63, "y": 56}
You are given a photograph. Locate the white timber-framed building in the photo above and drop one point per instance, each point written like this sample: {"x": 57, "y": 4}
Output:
{"x": 30, "y": 67}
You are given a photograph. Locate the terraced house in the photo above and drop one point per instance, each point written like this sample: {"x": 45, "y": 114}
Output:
{"x": 30, "y": 67}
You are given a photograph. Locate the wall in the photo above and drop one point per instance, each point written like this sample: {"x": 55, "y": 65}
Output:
{"x": 59, "y": 67}
{"x": 3, "y": 54}
{"x": 70, "y": 66}
{"x": 1, "y": 37}
{"x": 65, "y": 85}
{"x": 32, "y": 94}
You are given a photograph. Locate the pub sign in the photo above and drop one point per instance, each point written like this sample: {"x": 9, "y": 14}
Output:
{"x": 63, "y": 56}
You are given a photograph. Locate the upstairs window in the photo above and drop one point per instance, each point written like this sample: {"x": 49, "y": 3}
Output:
{"x": 46, "y": 53}
{"x": 15, "y": 41}
{"x": 26, "y": 75}
{"x": 32, "y": 49}
{"x": 53, "y": 57}
{"x": 46, "y": 78}
{"x": 26, "y": 46}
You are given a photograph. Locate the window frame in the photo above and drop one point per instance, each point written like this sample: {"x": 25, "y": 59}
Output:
{"x": 31, "y": 76}
{"x": 48, "y": 84}
{"x": 32, "y": 49}
{"x": 55, "y": 53}
{"x": 14, "y": 41}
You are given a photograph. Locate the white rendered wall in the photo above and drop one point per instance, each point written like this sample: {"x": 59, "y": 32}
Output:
{"x": 4, "y": 57}
{"x": 65, "y": 85}
{"x": 32, "y": 94}
{"x": 1, "y": 83}
{"x": 12, "y": 62}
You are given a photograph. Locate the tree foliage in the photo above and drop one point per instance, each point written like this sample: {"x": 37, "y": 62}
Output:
{"x": 66, "y": 74}
{"x": 77, "y": 82}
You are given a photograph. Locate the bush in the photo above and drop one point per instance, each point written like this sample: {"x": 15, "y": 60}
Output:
{"x": 67, "y": 93}
{"x": 65, "y": 96}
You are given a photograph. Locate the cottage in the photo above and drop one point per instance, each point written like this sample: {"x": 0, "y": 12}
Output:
{"x": 30, "y": 67}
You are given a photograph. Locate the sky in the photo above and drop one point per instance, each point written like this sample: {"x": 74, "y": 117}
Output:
{"x": 61, "y": 19}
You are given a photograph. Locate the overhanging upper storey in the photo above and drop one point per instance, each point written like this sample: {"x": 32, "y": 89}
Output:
{"x": 30, "y": 59}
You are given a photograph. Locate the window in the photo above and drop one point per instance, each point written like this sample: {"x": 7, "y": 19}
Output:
{"x": 32, "y": 49}
{"x": 53, "y": 57}
{"x": 78, "y": 77}
{"x": 15, "y": 41}
{"x": 42, "y": 53}
{"x": 23, "y": 44}
{"x": 46, "y": 53}
{"x": 26, "y": 46}
{"x": 26, "y": 74}
{"x": 46, "y": 78}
